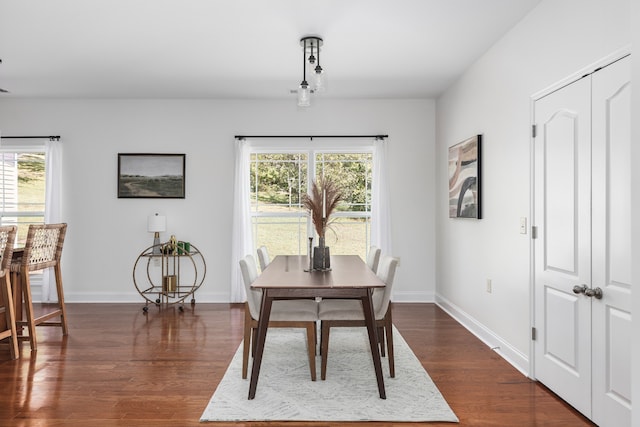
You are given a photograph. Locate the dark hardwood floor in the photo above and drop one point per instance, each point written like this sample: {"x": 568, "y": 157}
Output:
{"x": 120, "y": 367}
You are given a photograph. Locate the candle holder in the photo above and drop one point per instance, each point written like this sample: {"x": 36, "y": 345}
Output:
{"x": 310, "y": 256}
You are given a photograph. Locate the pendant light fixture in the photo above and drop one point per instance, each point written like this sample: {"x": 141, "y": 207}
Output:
{"x": 310, "y": 46}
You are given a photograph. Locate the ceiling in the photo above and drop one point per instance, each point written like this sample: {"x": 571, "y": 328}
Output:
{"x": 243, "y": 48}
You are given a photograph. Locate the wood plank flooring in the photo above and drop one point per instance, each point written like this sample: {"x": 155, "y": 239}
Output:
{"x": 120, "y": 367}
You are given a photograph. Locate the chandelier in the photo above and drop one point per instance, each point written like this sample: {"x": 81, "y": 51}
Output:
{"x": 310, "y": 48}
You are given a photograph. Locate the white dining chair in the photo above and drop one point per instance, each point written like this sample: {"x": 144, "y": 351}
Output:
{"x": 343, "y": 312}
{"x": 263, "y": 257}
{"x": 295, "y": 313}
{"x": 373, "y": 258}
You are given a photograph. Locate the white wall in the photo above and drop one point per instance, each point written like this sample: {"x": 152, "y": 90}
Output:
{"x": 555, "y": 40}
{"x": 106, "y": 234}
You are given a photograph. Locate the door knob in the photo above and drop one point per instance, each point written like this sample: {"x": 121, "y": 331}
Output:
{"x": 596, "y": 293}
{"x": 580, "y": 289}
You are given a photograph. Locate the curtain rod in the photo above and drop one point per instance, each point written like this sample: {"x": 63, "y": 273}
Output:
{"x": 50, "y": 138}
{"x": 311, "y": 136}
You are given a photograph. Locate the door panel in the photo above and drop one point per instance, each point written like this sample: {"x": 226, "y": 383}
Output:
{"x": 562, "y": 311}
{"x": 612, "y": 332}
{"x": 619, "y": 348}
{"x": 560, "y": 175}
{"x": 562, "y": 255}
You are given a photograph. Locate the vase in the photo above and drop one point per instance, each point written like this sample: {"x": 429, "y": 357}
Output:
{"x": 321, "y": 256}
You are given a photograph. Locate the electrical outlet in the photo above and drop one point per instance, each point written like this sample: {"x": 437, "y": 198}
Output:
{"x": 489, "y": 287}
{"x": 523, "y": 225}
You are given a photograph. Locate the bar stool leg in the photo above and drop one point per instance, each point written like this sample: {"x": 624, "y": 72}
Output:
{"x": 7, "y": 296}
{"x": 63, "y": 312}
{"x": 28, "y": 303}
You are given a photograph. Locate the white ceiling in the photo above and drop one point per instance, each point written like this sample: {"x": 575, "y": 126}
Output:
{"x": 243, "y": 48}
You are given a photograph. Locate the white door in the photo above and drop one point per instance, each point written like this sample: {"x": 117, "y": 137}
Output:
{"x": 611, "y": 216}
{"x": 582, "y": 209}
{"x": 562, "y": 215}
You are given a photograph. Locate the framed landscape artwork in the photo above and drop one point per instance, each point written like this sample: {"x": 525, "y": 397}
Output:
{"x": 464, "y": 179}
{"x": 151, "y": 176}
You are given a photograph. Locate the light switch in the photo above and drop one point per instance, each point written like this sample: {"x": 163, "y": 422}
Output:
{"x": 523, "y": 225}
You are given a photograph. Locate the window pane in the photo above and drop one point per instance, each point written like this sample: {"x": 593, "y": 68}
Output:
{"x": 277, "y": 182}
{"x": 352, "y": 173}
{"x": 281, "y": 236}
{"x": 22, "y": 191}
{"x": 349, "y": 236}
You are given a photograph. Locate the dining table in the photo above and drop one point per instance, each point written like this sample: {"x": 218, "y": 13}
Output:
{"x": 290, "y": 277}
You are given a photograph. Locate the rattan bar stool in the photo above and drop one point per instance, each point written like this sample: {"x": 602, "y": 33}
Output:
{"x": 42, "y": 250}
{"x": 7, "y": 238}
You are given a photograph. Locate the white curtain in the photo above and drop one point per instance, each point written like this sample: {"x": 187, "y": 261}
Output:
{"x": 52, "y": 202}
{"x": 380, "y": 203}
{"x": 242, "y": 241}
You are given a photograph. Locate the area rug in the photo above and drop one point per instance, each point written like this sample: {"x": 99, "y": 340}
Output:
{"x": 285, "y": 391}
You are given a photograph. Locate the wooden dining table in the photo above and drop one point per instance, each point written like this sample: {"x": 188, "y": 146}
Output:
{"x": 285, "y": 278}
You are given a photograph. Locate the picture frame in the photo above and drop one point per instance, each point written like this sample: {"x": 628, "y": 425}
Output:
{"x": 151, "y": 176}
{"x": 465, "y": 196}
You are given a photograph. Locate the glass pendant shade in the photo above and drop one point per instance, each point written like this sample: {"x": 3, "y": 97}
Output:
{"x": 319, "y": 80}
{"x": 304, "y": 95}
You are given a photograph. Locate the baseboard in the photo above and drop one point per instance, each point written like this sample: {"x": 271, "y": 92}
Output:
{"x": 413, "y": 297}
{"x": 200, "y": 296}
{"x": 509, "y": 353}
{"x": 134, "y": 297}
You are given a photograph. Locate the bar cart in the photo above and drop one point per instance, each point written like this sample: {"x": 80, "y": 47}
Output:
{"x": 169, "y": 273}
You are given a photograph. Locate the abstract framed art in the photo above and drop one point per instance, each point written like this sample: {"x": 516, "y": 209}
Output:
{"x": 464, "y": 179}
{"x": 151, "y": 176}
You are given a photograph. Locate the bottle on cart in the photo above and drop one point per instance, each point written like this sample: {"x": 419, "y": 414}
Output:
{"x": 173, "y": 244}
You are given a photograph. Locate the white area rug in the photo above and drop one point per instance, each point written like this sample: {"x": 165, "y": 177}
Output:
{"x": 285, "y": 391}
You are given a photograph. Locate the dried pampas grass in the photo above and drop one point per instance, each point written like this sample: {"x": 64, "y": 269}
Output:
{"x": 323, "y": 200}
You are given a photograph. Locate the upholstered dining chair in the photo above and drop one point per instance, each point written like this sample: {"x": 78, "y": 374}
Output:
{"x": 373, "y": 258}
{"x": 342, "y": 312}
{"x": 7, "y": 238}
{"x": 42, "y": 250}
{"x": 263, "y": 257}
{"x": 296, "y": 313}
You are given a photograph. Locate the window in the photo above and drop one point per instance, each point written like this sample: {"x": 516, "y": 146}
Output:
{"x": 22, "y": 190}
{"x": 278, "y": 181}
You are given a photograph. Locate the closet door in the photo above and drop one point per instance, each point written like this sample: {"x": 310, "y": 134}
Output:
{"x": 582, "y": 256}
{"x": 611, "y": 210}
{"x": 562, "y": 256}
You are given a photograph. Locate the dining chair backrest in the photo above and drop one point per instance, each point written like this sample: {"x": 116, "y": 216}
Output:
{"x": 386, "y": 273}
{"x": 373, "y": 258}
{"x": 7, "y": 238}
{"x": 263, "y": 257}
{"x": 249, "y": 275}
{"x": 43, "y": 247}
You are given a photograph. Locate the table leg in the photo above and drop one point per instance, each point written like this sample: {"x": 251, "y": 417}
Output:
{"x": 263, "y": 324}
{"x": 370, "y": 321}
